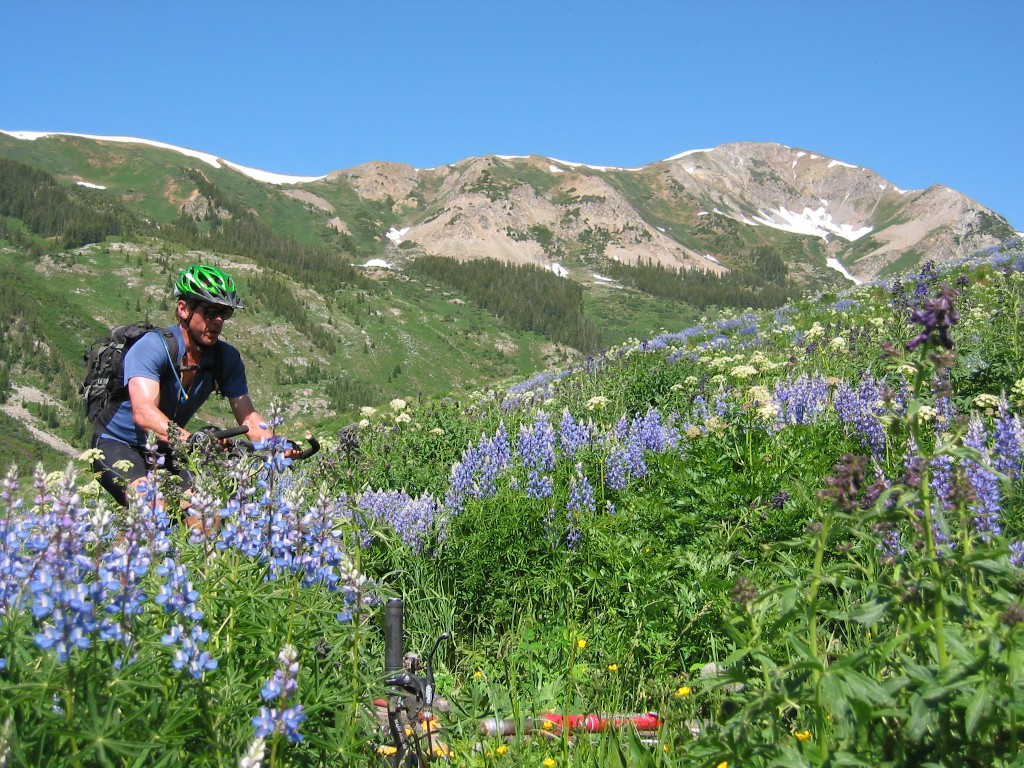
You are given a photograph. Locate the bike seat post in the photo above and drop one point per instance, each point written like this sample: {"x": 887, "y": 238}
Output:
{"x": 394, "y": 616}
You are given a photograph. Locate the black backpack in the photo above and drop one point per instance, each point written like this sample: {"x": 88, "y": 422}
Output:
{"x": 103, "y": 388}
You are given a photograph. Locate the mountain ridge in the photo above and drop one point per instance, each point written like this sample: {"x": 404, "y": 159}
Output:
{"x": 349, "y": 305}
{"x": 572, "y": 217}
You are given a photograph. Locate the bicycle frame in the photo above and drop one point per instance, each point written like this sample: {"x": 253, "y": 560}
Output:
{"x": 411, "y": 722}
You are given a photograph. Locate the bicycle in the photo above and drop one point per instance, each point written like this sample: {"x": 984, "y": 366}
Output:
{"x": 414, "y": 730}
{"x": 411, "y": 722}
{"x": 209, "y": 445}
{"x": 212, "y": 436}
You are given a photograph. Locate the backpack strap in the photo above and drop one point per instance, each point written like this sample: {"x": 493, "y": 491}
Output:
{"x": 218, "y": 368}
{"x": 171, "y": 348}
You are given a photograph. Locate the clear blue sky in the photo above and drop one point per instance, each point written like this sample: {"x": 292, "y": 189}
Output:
{"x": 921, "y": 91}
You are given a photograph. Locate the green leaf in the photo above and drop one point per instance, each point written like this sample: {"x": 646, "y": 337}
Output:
{"x": 977, "y": 709}
{"x": 868, "y": 613}
{"x": 922, "y": 718}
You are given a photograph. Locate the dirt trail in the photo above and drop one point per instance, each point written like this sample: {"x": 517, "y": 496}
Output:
{"x": 15, "y": 410}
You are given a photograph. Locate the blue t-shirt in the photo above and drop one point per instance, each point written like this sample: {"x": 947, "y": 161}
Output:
{"x": 150, "y": 358}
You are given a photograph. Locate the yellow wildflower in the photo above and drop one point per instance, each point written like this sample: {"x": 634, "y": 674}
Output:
{"x": 549, "y": 762}
{"x": 501, "y": 750}
{"x": 802, "y": 735}
{"x": 386, "y": 751}
{"x": 613, "y": 667}
{"x": 581, "y": 644}
{"x": 683, "y": 692}
{"x": 477, "y": 675}
{"x": 723, "y": 764}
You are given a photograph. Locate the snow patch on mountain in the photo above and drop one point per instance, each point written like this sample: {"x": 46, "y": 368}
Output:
{"x": 396, "y": 235}
{"x": 217, "y": 162}
{"x": 817, "y": 223}
{"x": 834, "y": 264}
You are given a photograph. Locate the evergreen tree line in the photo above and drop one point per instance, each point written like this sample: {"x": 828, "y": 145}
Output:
{"x": 74, "y": 217}
{"x": 344, "y": 393}
{"x": 25, "y": 343}
{"x": 246, "y": 234}
{"x": 525, "y": 297}
{"x": 763, "y": 286}
{"x": 275, "y": 294}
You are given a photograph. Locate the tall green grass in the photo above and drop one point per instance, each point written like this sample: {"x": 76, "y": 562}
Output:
{"x": 795, "y": 535}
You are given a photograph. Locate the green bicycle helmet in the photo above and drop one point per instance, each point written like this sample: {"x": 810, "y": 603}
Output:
{"x": 201, "y": 282}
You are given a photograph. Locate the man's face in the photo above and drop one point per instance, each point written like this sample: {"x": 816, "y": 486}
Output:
{"x": 207, "y": 321}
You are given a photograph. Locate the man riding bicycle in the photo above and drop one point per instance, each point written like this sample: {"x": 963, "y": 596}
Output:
{"x": 162, "y": 391}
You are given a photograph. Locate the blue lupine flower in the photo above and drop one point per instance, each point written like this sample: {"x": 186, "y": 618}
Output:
{"x": 573, "y": 436}
{"x": 189, "y": 654}
{"x": 615, "y": 472}
{"x": 281, "y": 688}
{"x": 1008, "y": 443}
{"x": 800, "y": 400}
{"x": 861, "y": 409}
{"x": 987, "y": 505}
{"x": 581, "y": 493}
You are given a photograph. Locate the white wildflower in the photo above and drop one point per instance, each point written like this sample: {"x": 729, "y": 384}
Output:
{"x": 253, "y": 757}
{"x": 743, "y": 371}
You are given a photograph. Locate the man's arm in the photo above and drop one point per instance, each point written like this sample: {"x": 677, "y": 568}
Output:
{"x": 246, "y": 415}
{"x": 145, "y": 397}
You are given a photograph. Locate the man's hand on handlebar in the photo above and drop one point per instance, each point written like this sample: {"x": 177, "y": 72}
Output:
{"x": 230, "y": 438}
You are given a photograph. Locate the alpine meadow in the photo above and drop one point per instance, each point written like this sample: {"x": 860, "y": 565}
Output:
{"x": 784, "y": 528}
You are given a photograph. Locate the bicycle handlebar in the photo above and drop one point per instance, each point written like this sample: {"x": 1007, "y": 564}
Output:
{"x": 216, "y": 435}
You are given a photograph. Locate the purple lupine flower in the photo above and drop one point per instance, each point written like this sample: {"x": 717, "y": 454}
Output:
{"x": 800, "y": 400}
{"x": 861, "y": 410}
{"x": 701, "y": 413}
{"x": 176, "y": 593}
{"x": 1008, "y": 443}
{"x": 476, "y": 475}
{"x": 412, "y": 519}
{"x": 549, "y": 527}
{"x": 581, "y": 493}
{"x": 188, "y": 653}
{"x": 573, "y": 436}
{"x": 1017, "y": 554}
{"x": 937, "y": 316}
{"x": 942, "y": 480}
{"x": 987, "y": 505}
{"x": 539, "y": 486}
{"x": 536, "y": 444}
{"x": 281, "y": 689}
{"x": 573, "y": 534}
{"x": 615, "y": 463}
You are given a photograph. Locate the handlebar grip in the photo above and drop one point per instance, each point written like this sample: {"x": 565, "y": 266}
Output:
{"x": 314, "y": 447}
{"x": 394, "y": 614}
{"x": 224, "y": 434}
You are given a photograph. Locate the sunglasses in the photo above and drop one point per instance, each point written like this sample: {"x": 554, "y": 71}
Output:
{"x": 209, "y": 311}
